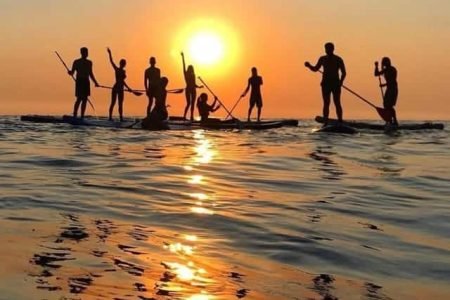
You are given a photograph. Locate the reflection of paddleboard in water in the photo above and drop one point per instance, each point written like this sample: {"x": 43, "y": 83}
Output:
{"x": 337, "y": 128}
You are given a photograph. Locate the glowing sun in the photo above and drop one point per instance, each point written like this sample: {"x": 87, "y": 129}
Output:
{"x": 206, "y": 48}
{"x": 211, "y": 45}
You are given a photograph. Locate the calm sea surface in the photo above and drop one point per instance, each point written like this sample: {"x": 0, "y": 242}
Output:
{"x": 92, "y": 213}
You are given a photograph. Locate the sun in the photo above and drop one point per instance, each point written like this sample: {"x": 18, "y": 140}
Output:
{"x": 206, "y": 48}
{"x": 210, "y": 45}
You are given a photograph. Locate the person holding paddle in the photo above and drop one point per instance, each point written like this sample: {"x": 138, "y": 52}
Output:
{"x": 331, "y": 81}
{"x": 83, "y": 69}
{"x": 117, "y": 92}
{"x": 390, "y": 95}
{"x": 254, "y": 82}
{"x": 191, "y": 88}
{"x": 204, "y": 109}
{"x": 151, "y": 80}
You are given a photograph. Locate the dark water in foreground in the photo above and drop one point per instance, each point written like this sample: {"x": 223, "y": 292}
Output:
{"x": 90, "y": 213}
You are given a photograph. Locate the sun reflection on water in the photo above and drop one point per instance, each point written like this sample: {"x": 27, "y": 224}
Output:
{"x": 202, "y": 296}
{"x": 196, "y": 179}
{"x": 180, "y": 248}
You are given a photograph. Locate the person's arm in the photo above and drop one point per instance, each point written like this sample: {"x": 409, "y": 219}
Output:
{"x": 246, "y": 89}
{"x": 316, "y": 67}
{"x": 72, "y": 71}
{"x": 343, "y": 71}
{"x": 91, "y": 74}
{"x": 216, "y": 108}
{"x": 184, "y": 63}
{"x": 126, "y": 85}
{"x": 111, "y": 59}
{"x": 377, "y": 71}
{"x": 146, "y": 85}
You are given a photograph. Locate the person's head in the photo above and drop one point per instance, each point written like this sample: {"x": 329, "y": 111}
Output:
{"x": 203, "y": 97}
{"x": 329, "y": 48}
{"x": 164, "y": 82}
{"x": 84, "y": 52}
{"x": 122, "y": 63}
{"x": 152, "y": 61}
{"x": 254, "y": 71}
{"x": 190, "y": 69}
{"x": 386, "y": 62}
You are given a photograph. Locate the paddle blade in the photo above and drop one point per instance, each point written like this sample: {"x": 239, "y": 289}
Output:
{"x": 385, "y": 114}
{"x": 177, "y": 91}
{"x": 137, "y": 93}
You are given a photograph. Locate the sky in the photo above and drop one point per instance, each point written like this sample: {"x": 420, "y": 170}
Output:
{"x": 277, "y": 37}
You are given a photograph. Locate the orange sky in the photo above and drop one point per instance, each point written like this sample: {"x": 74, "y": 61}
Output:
{"x": 275, "y": 36}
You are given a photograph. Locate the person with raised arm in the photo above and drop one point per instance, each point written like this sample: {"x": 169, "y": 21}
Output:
{"x": 389, "y": 73}
{"x": 117, "y": 92}
{"x": 254, "y": 82}
{"x": 331, "y": 81}
{"x": 191, "y": 88}
{"x": 82, "y": 67}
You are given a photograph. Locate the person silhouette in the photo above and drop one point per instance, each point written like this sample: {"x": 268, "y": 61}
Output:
{"x": 204, "y": 109}
{"x": 117, "y": 92}
{"x": 83, "y": 69}
{"x": 152, "y": 76}
{"x": 331, "y": 82}
{"x": 254, "y": 82}
{"x": 157, "y": 118}
{"x": 191, "y": 88}
{"x": 389, "y": 73}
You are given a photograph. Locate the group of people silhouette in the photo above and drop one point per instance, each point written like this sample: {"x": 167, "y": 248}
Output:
{"x": 330, "y": 65}
{"x": 155, "y": 89}
{"x": 333, "y": 76}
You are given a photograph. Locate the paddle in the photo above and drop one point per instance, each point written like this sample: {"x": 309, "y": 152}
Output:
{"x": 68, "y": 70}
{"x": 136, "y": 93}
{"x": 224, "y": 107}
{"x": 176, "y": 91}
{"x": 237, "y": 102}
{"x": 385, "y": 114}
{"x": 172, "y": 91}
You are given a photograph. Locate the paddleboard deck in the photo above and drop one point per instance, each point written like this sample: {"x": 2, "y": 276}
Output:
{"x": 383, "y": 127}
{"x": 173, "y": 123}
{"x": 337, "y": 128}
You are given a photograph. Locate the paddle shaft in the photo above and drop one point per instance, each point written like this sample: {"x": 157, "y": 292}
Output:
{"x": 137, "y": 93}
{"x": 224, "y": 107}
{"x": 357, "y": 95}
{"x": 68, "y": 70}
{"x": 232, "y": 109}
{"x": 381, "y": 87}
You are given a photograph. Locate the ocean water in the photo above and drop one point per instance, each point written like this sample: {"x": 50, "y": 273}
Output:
{"x": 95, "y": 213}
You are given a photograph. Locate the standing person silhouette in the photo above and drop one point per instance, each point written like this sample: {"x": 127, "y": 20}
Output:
{"x": 117, "y": 92}
{"x": 390, "y": 96}
{"x": 83, "y": 69}
{"x": 191, "y": 88}
{"x": 331, "y": 83}
{"x": 255, "y": 82}
{"x": 151, "y": 81}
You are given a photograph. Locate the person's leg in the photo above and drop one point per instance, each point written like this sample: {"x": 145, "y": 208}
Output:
{"x": 120, "y": 99}
{"x": 250, "y": 109}
{"x": 188, "y": 102}
{"x": 75, "y": 107}
{"x": 326, "y": 95}
{"x": 259, "y": 106}
{"x": 150, "y": 102}
{"x": 193, "y": 99}
{"x": 83, "y": 106}
{"x": 113, "y": 103}
{"x": 337, "y": 103}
